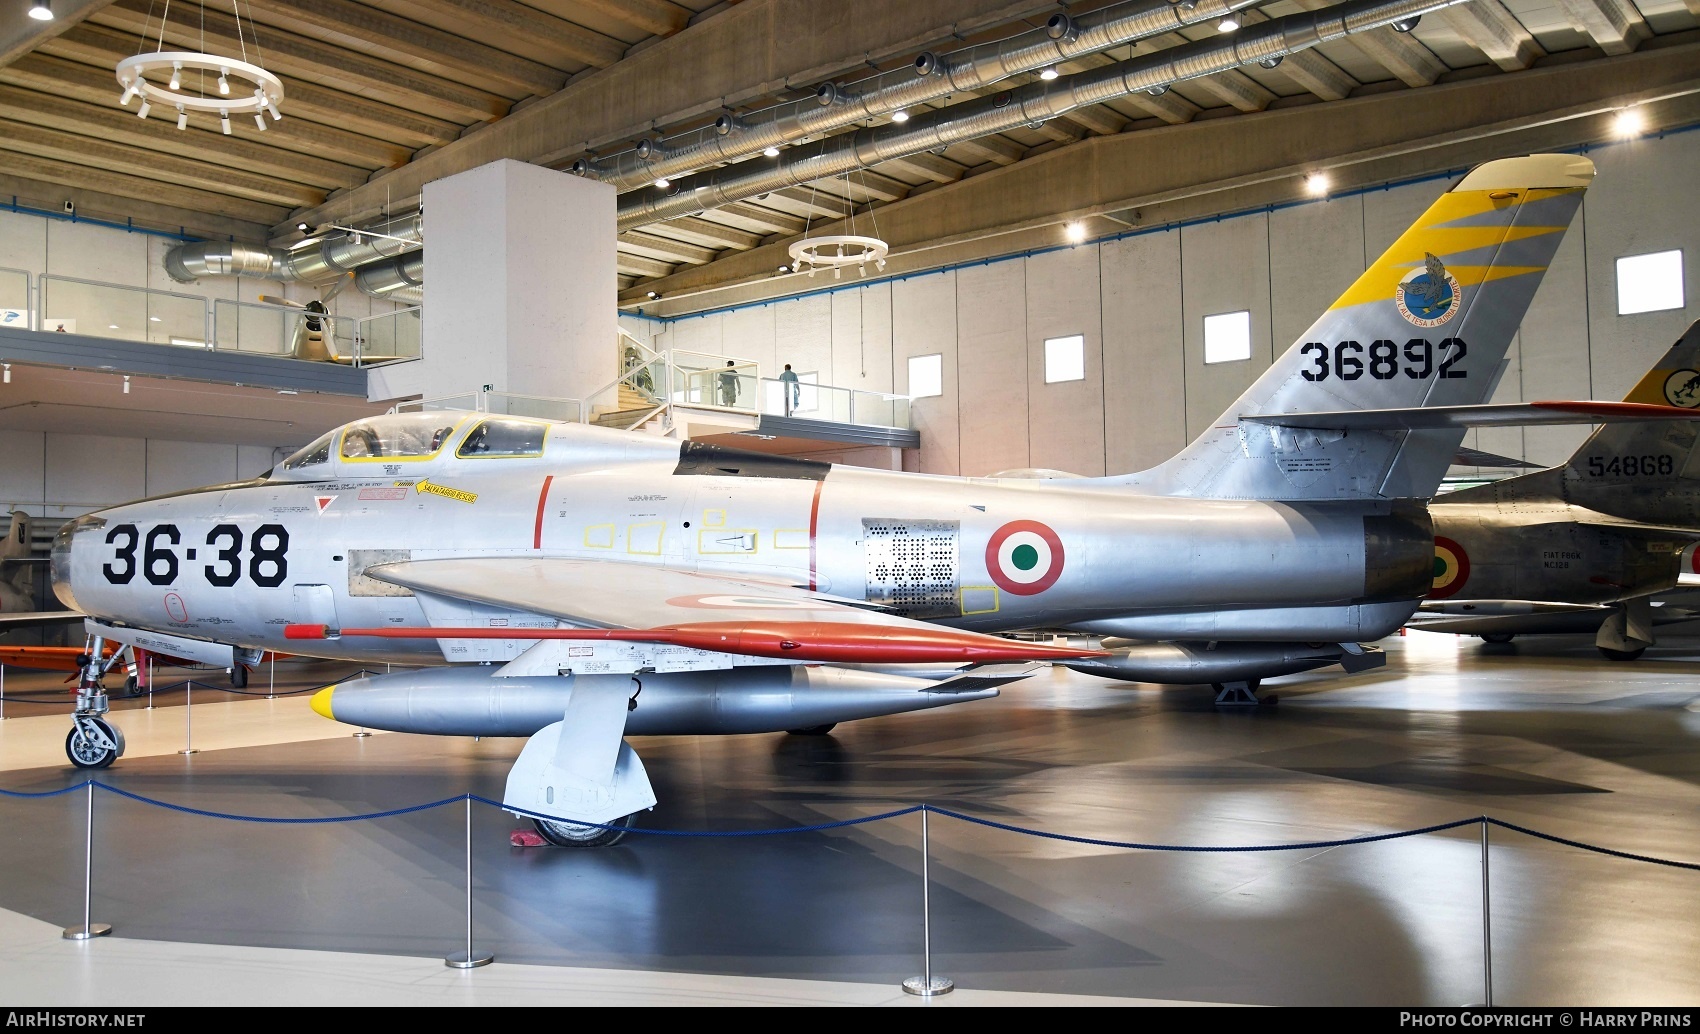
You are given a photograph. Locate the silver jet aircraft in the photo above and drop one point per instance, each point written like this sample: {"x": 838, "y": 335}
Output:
{"x": 1586, "y": 545}
{"x": 577, "y": 585}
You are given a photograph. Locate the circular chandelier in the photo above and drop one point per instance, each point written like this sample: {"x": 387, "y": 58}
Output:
{"x": 837, "y": 251}
{"x": 158, "y": 77}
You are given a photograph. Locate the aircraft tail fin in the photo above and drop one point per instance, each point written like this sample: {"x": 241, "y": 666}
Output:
{"x": 17, "y": 545}
{"x": 1428, "y": 324}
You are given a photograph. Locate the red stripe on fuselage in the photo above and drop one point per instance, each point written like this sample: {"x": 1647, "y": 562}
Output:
{"x": 542, "y": 498}
{"x": 814, "y": 526}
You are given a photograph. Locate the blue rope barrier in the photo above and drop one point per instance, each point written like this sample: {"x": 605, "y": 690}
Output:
{"x": 1307, "y": 845}
{"x": 62, "y": 791}
{"x": 204, "y": 813}
{"x": 1590, "y": 847}
{"x": 912, "y": 809}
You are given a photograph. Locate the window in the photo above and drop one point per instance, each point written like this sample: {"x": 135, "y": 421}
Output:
{"x": 1065, "y": 358}
{"x": 1649, "y": 283}
{"x": 411, "y": 436}
{"x": 1227, "y": 337}
{"x": 504, "y": 437}
{"x": 311, "y": 455}
{"x": 926, "y": 376}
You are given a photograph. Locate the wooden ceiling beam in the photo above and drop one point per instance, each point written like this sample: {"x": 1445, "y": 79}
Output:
{"x": 663, "y": 248}
{"x": 1492, "y": 29}
{"x": 932, "y": 166}
{"x": 713, "y": 235}
{"x": 101, "y": 48}
{"x": 110, "y": 122}
{"x": 143, "y": 214}
{"x": 637, "y": 265}
{"x": 654, "y": 16}
{"x": 576, "y": 42}
{"x": 993, "y": 149}
{"x": 762, "y": 218}
{"x": 124, "y": 184}
{"x": 101, "y": 154}
{"x": 322, "y": 62}
{"x": 418, "y": 41}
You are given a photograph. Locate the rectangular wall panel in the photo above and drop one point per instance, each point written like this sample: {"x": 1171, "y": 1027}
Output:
{"x": 86, "y": 471}
{"x": 1144, "y": 358}
{"x": 923, "y": 316}
{"x": 1315, "y": 254}
{"x": 1065, "y": 420}
{"x": 992, "y": 367}
{"x": 23, "y": 471}
{"x": 1224, "y": 268}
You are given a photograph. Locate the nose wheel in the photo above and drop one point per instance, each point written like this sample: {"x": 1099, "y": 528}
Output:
{"x": 93, "y": 742}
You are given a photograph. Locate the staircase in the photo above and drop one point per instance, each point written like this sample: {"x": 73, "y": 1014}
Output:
{"x": 631, "y": 409}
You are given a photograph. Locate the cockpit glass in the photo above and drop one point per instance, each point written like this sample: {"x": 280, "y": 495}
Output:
{"x": 312, "y": 455}
{"x": 396, "y": 437}
{"x": 504, "y": 437}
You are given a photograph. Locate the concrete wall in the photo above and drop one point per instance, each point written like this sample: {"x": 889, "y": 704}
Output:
{"x": 1140, "y": 302}
{"x": 63, "y": 475}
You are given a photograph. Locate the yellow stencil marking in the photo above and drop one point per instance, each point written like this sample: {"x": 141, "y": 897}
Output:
{"x": 980, "y": 599}
{"x": 790, "y": 538}
{"x": 599, "y": 536}
{"x": 726, "y": 540}
{"x": 714, "y": 518}
{"x": 645, "y": 538}
{"x": 457, "y": 494}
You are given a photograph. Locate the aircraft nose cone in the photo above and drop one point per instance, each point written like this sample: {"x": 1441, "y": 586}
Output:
{"x": 321, "y": 702}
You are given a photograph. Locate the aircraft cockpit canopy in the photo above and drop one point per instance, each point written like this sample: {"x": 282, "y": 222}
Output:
{"x": 414, "y": 438}
{"x": 398, "y": 436}
{"x": 314, "y": 454}
{"x": 503, "y": 437}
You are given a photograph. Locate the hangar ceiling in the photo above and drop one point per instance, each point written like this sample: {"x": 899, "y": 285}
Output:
{"x": 384, "y": 95}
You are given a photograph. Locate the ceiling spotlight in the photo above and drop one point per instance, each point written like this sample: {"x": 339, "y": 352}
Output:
{"x": 664, "y": 183}
{"x": 130, "y": 90}
{"x": 653, "y": 295}
{"x": 783, "y": 269}
{"x": 1228, "y": 24}
{"x": 142, "y": 112}
{"x": 176, "y": 75}
{"x": 224, "y": 121}
{"x": 1075, "y": 232}
{"x": 42, "y": 10}
{"x": 900, "y": 115}
{"x": 223, "y": 83}
{"x": 771, "y": 152}
{"x": 126, "y": 384}
{"x": 301, "y": 226}
{"x": 1316, "y": 184}
{"x": 1048, "y": 74}
{"x": 182, "y": 119}
{"x": 1273, "y": 61}
{"x": 5, "y": 373}
{"x": 1628, "y": 123}
{"x": 1406, "y": 24}
{"x": 260, "y": 120}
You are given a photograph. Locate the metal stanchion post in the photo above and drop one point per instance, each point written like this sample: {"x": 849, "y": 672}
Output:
{"x": 88, "y": 929}
{"x": 150, "y": 682}
{"x": 926, "y": 985}
{"x": 188, "y": 726}
{"x": 1487, "y": 923}
{"x": 468, "y": 959}
{"x": 271, "y": 679}
{"x": 2, "y": 692}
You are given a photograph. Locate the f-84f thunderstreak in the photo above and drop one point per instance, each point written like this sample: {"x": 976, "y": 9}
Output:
{"x": 577, "y": 585}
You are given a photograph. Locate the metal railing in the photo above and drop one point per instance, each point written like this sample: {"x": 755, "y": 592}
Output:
{"x": 503, "y": 403}
{"x": 831, "y": 402}
{"x": 95, "y": 308}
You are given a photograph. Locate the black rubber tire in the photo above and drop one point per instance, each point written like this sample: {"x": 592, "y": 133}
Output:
{"x": 89, "y": 757}
{"x": 813, "y": 730}
{"x": 1498, "y": 638}
{"x": 1621, "y": 655}
{"x": 132, "y": 687}
{"x": 562, "y": 834}
{"x": 239, "y": 676}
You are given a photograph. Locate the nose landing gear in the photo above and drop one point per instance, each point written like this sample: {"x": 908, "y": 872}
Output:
{"x": 93, "y": 742}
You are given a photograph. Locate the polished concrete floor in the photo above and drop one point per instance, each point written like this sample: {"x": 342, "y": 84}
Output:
{"x": 1543, "y": 733}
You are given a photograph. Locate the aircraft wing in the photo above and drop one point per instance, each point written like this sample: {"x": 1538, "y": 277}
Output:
{"x": 32, "y": 618}
{"x": 1516, "y": 414}
{"x": 618, "y": 601}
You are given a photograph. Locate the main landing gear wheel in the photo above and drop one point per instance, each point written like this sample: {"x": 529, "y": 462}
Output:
{"x": 1497, "y": 638}
{"x": 566, "y": 834}
{"x": 1621, "y": 655}
{"x": 239, "y": 676}
{"x": 813, "y": 730}
{"x": 132, "y": 687}
{"x": 97, "y": 752}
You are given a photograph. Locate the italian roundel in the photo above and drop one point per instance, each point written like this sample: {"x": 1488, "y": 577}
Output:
{"x": 1024, "y": 557}
{"x": 1451, "y": 568}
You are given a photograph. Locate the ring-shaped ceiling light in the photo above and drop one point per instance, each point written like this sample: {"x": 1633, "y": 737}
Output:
{"x": 837, "y": 251}
{"x": 263, "y": 91}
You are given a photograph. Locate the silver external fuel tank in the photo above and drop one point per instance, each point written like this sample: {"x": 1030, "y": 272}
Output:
{"x": 1193, "y": 663}
{"x": 467, "y": 700}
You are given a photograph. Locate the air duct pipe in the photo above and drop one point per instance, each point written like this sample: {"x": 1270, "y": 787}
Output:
{"x": 931, "y": 76}
{"x": 1031, "y": 105}
{"x": 333, "y": 257}
{"x": 399, "y": 279}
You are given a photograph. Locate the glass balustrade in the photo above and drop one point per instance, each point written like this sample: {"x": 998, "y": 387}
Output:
{"x": 537, "y": 406}
{"x": 284, "y": 330}
{"x": 15, "y": 308}
{"x": 392, "y": 336}
{"x": 95, "y": 309}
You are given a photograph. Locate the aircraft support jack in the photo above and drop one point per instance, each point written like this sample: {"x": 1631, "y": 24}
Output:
{"x": 1239, "y": 694}
{"x": 93, "y": 741}
{"x": 581, "y": 768}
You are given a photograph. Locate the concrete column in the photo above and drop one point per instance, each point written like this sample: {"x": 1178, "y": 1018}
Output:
{"x": 520, "y": 286}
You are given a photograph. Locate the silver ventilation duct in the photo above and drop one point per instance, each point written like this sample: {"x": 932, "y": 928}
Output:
{"x": 397, "y": 278}
{"x": 1029, "y": 105}
{"x": 932, "y": 76}
{"x": 389, "y": 239}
